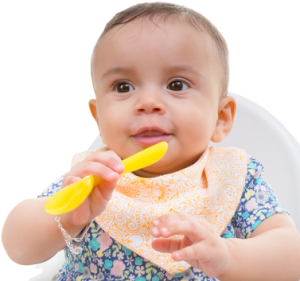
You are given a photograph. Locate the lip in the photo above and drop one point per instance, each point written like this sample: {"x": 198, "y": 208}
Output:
{"x": 150, "y": 128}
{"x": 148, "y": 141}
{"x": 150, "y": 135}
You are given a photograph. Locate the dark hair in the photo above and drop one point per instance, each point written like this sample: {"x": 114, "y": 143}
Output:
{"x": 165, "y": 10}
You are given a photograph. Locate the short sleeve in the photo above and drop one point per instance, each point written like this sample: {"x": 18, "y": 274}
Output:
{"x": 258, "y": 201}
{"x": 53, "y": 187}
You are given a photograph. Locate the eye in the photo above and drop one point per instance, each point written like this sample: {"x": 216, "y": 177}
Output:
{"x": 177, "y": 86}
{"x": 123, "y": 88}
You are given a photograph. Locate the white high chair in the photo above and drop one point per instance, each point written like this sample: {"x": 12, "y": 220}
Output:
{"x": 262, "y": 136}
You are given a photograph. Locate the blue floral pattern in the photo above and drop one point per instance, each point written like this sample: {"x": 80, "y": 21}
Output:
{"x": 103, "y": 258}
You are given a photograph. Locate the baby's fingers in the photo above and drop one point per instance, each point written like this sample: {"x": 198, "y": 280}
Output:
{"x": 69, "y": 180}
{"x": 108, "y": 158}
{"x": 96, "y": 169}
{"x": 103, "y": 191}
{"x": 167, "y": 245}
{"x": 178, "y": 250}
{"x": 193, "y": 230}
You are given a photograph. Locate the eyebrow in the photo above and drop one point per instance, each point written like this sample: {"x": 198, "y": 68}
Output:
{"x": 184, "y": 67}
{"x": 122, "y": 69}
{"x": 117, "y": 69}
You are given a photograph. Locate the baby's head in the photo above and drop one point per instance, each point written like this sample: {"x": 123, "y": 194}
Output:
{"x": 160, "y": 72}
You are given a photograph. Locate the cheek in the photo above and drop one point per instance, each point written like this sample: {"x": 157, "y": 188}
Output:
{"x": 197, "y": 123}
{"x": 113, "y": 125}
{"x": 108, "y": 121}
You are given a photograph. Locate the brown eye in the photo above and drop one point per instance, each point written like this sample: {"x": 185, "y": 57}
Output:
{"x": 124, "y": 88}
{"x": 177, "y": 86}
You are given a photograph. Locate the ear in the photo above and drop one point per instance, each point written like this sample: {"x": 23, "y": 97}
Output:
{"x": 226, "y": 113}
{"x": 93, "y": 109}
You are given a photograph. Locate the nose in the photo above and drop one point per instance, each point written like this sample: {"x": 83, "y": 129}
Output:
{"x": 150, "y": 101}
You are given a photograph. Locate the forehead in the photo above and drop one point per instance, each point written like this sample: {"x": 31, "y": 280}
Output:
{"x": 156, "y": 31}
{"x": 144, "y": 44}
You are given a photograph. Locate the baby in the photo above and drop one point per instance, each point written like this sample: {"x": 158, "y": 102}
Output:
{"x": 160, "y": 73}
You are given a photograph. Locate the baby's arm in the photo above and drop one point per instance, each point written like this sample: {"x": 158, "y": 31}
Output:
{"x": 272, "y": 252}
{"x": 30, "y": 235}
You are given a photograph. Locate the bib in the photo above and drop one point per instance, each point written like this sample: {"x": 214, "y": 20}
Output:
{"x": 211, "y": 188}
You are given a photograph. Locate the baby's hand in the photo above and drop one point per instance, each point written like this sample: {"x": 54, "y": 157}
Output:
{"x": 106, "y": 165}
{"x": 200, "y": 246}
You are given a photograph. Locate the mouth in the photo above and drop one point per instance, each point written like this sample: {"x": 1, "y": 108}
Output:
{"x": 148, "y": 136}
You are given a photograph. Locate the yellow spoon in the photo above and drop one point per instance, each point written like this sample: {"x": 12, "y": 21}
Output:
{"x": 72, "y": 196}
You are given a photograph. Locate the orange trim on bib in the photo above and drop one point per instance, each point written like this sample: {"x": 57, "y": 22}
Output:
{"x": 211, "y": 189}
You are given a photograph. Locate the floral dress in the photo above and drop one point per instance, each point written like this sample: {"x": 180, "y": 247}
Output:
{"x": 102, "y": 258}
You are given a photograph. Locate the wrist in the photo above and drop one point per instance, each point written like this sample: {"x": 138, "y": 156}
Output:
{"x": 72, "y": 229}
{"x": 73, "y": 243}
{"x": 230, "y": 265}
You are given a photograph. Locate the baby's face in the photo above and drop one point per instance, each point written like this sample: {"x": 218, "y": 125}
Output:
{"x": 156, "y": 83}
